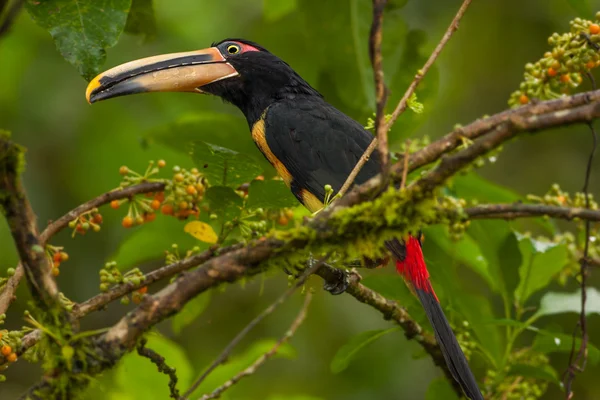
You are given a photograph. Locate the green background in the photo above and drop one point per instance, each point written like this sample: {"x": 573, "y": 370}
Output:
{"x": 75, "y": 150}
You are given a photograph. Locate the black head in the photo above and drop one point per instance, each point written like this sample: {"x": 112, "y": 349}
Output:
{"x": 239, "y": 71}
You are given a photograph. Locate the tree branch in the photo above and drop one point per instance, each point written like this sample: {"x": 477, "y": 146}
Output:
{"x": 518, "y": 210}
{"x": 7, "y": 295}
{"x": 375, "y": 39}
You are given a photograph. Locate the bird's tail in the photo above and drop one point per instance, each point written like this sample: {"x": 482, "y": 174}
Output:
{"x": 411, "y": 265}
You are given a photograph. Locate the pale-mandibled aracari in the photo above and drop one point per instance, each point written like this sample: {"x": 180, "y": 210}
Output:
{"x": 309, "y": 142}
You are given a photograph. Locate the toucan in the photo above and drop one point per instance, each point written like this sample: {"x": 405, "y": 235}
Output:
{"x": 308, "y": 141}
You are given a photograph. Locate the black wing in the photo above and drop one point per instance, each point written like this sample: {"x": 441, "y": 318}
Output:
{"x": 318, "y": 144}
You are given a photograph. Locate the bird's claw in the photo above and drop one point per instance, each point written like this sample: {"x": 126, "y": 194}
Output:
{"x": 338, "y": 284}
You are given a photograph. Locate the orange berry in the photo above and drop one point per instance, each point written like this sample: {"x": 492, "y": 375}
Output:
{"x": 55, "y": 271}
{"x": 127, "y": 222}
{"x": 56, "y": 257}
{"x": 565, "y": 78}
{"x": 191, "y": 190}
{"x": 97, "y": 218}
{"x": 161, "y": 163}
{"x": 551, "y": 72}
{"x": 160, "y": 196}
{"x": 80, "y": 229}
{"x": 167, "y": 209}
{"x": 590, "y": 64}
{"x": 12, "y": 357}
{"x": 155, "y": 204}
{"x": 179, "y": 177}
{"x": 5, "y": 350}
{"x": 149, "y": 217}
{"x": 259, "y": 178}
{"x": 594, "y": 29}
{"x": 523, "y": 99}
{"x": 63, "y": 256}
{"x": 282, "y": 220}
{"x": 143, "y": 290}
{"x": 136, "y": 299}
{"x": 289, "y": 213}
{"x": 123, "y": 170}
{"x": 183, "y": 205}
{"x": 114, "y": 204}
{"x": 195, "y": 171}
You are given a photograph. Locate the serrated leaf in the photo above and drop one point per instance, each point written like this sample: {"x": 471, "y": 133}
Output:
{"x": 348, "y": 351}
{"x": 544, "y": 372}
{"x": 270, "y": 194}
{"x": 276, "y": 9}
{"x": 553, "y": 342}
{"x": 201, "y": 231}
{"x": 224, "y": 202}
{"x": 541, "y": 261}
{"x": 557, "y": 303}
{"x": 82, "y": 29}
{"x": 223, "y": 166}
{"x": 440, "y": 388}
{"x": 141, "y": 20}
{"x": 190, "y": 312}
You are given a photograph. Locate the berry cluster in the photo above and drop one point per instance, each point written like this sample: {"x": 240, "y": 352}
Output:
{"x": 9, "y": 342}
{"x": 110, "y": 275}
{"x": 181, "y": 197}
{"x": 56, "y": 255}
{"x": 560, "y": 70}
{"x": 88, "y": 220}
{"x": 465, "y": 339}
{"x": 513, "y": 387}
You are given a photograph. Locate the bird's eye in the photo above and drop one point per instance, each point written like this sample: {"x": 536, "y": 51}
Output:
{"x": 233, "y": 49}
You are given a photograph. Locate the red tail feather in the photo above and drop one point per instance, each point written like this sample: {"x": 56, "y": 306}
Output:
{"x": 413, "y": 267}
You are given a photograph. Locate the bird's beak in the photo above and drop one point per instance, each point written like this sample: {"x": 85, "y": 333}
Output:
{"x": 177, "y": 72}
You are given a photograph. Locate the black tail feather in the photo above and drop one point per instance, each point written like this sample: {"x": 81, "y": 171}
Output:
{"x": 455, "y": 358}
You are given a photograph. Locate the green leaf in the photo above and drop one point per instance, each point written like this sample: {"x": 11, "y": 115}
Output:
{"x": 543, "y": 372}
{"x": 133, "y": 372}
{"x": 276, "y": 9}
{"x": 541, "y": 261}
{"x": 293, "y": 397}
{"x": 472, "y": 186}
{"x": 464, "y": 250}
{"x": 141, "y": 20}
{"x": 348, "y": 351}
{"x": 557, "y": 303}
{"x": 582, "y": 7}
{"x": 192, "y": 310}
{"x": 270, "y": 194}
{"x": 224, "y": 166}
{"x": 224, "y": 202}
{"x": 500, "y": 248}
{"x": 552, "y": 342}
{"x": 440, "y": 389}
{"x": 82, "y": 29}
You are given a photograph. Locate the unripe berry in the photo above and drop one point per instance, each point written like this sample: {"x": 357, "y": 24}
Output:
{"x": 161, "y": 163}
{"x": 179, "y": 177}
{"x": 123, "y": 170}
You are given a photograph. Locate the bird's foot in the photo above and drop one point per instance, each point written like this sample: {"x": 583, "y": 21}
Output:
{"x": 338, "y": 283}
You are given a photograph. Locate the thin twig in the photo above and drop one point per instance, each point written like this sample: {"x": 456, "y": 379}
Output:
{"x": 11, "y": 15}
{"x": 269, "y": 310}
{"x": 263, "y": 358}
{"x": 421, "y": 73}
{"x": 7, "y": 295}
{"x": 578, "y": 363}
{"x": 402, "y": 104}
{"x": 375, "y": 39}
{"x": 160, "y": 363}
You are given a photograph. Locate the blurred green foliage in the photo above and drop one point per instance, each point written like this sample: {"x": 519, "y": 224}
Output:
{"x": 496, "y": 282}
